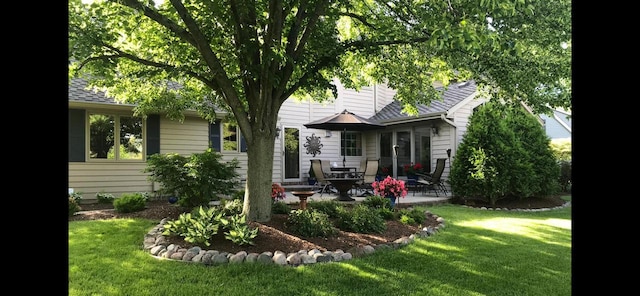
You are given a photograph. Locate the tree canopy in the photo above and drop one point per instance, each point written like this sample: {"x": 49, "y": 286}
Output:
{"x": 247, "y": 57}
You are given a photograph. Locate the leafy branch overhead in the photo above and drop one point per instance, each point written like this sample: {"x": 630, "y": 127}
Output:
{"x": 241, "y": 60}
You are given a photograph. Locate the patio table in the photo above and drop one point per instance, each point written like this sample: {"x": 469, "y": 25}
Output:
{"x": 343, "y": 185}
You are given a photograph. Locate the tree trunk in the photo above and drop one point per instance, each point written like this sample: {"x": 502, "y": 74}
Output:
{"x": 257, "y": 197}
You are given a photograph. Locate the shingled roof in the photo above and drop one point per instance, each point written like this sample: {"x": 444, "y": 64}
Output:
{"x": 78, "y": 92}
{"x": 454, "y": 94}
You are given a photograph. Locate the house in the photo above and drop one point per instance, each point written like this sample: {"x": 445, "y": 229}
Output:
{"x": 558, "y": 124}
{"x": 95, "y": 120}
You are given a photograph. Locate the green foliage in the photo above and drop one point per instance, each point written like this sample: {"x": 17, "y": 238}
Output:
{"x": 310, "y": 223}
{"x": 377, "y": 202}
{"x": 406, "y": 219}
{"x": 130, "y": 202}
{"x": 105, "y": 197}
{"x": 231, "y": 206}
{"x": 561, "y": 149}
{"x": 77, "y": 196}
{"x": 330, "y": 207}
{"x": 386, "y": 212}
{"x": 238, "y": 194}
{"x": 197, "y": 226}
{"x": 412, "y": 216}
{"x": 239, "y": 231}
{"x": 362, "y": 219}
{"x": 280, "y": 208}
{"x": 518, "y": 50}
{"x": 197, "y": 179}
{"x": 73, "y": 206}
{"x": 504, "y": 152}
{"x": 565, "y": 176}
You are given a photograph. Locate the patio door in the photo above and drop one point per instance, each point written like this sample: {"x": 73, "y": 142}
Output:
{"x": 291, "y": 154}
{"x": 392, "y": 160}
{"x": 403, "y": 141}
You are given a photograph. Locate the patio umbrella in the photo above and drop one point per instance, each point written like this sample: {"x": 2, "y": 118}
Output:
{"x": 344, "y": 121}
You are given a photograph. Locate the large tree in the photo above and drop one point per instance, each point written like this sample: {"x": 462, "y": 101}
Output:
{"x": 248, "y": 57}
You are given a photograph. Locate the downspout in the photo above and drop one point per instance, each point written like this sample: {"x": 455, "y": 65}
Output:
{"x": 453, "y": 143}
{"x": 455, "y": 132}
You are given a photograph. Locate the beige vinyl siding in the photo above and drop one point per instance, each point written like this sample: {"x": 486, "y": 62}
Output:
{"x": 118, "y": 177}
{"x": 115, "y": 178}
{"x": 185, "y": 138}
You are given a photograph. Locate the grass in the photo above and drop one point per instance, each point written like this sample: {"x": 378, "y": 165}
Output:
{"x": 479, "y": 252}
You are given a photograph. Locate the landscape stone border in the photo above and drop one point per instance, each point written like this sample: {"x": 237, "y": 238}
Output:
{"x": 158, "y": 246}
{"x": 566, "y": 204}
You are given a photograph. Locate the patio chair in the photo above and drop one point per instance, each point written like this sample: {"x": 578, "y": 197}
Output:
{"x": 326, "y": 168}
{"x": 316, "y": 165}
{"x": 434, "y": 181}
{"x": 369, "y": 176}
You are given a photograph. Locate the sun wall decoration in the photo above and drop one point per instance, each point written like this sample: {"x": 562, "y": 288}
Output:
{"x": 313, "y": 145}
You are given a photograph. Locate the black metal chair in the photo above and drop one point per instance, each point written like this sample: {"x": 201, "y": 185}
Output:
{"x": 368, "y": 177}
{"x": 434, "y": 181}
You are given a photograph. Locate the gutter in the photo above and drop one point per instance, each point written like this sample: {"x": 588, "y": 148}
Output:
{"x": 436, "y": 115}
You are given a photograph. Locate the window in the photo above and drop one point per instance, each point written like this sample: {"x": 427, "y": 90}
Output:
{"x": 230, "y": 140}
{"x": 351, "y": 143}
{"x": 107, "y": 130}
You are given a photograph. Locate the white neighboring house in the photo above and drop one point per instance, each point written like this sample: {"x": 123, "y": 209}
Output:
{"x": 420, "y": 139}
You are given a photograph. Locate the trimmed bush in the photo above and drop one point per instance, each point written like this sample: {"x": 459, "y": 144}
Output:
{"x": 504, "y": 153}
{"x": 362, "y": 219}
{"x": 130, "y": 202}
{"x": 310, "y": 223}
{"x": 195, "y": 180}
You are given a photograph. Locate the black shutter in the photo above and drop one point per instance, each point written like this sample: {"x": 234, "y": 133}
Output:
{"x": 243, "y": 143}
{"x": 153, "y": 134}
{"x": 76, "y": 135}
{"x": 214, "y": 135}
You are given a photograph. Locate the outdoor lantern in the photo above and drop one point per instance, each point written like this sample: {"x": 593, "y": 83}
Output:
{"x": 395, "y": 150}
{"x": 449, "y": 153}
{"x": 277, "y": 132}
{"x": 434, "y": 129}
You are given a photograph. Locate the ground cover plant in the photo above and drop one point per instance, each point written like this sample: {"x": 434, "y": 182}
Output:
{"x": 480, "y": 252}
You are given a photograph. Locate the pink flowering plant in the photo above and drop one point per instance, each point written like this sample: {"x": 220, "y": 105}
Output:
{"x": 277, "y": 192}
{"x": 388, "y": 186}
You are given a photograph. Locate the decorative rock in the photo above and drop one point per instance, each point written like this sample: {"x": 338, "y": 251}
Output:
{"x": 219, "y": 259}
{"x": 251, "y": 258}
{"x": 264, "y": 258}
{"x": 157, "y": 245}
{"x": 308, "y": 259}
{"x": 280, "y": 258}
{"x": 238, "y": 257}
{"x": 294, "y": 259}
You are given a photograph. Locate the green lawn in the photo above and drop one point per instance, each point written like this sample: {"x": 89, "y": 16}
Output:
{"x": 479, "y": 252}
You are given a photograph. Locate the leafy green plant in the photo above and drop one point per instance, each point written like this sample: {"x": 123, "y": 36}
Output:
{"x": 239, "y": 231}
{"x": 197, "y": 226}
{"x": 104, "y": 197}
{"x": 73, "y": 206}
{"x": 310, "y": 223}
{"x": 330, "y": 207}
{"x": 197, "y": 179}
{"x": 362, "y": 219}
{"x": 77, "y": 196}
{"x": 280, "y": 208}
{"x": 130, "y": 202}
{"x": 386, "y": 212}
{"x": 377, "y": 202}
{"x": 406, "y": 219}
{"x": 231, "y": 206}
